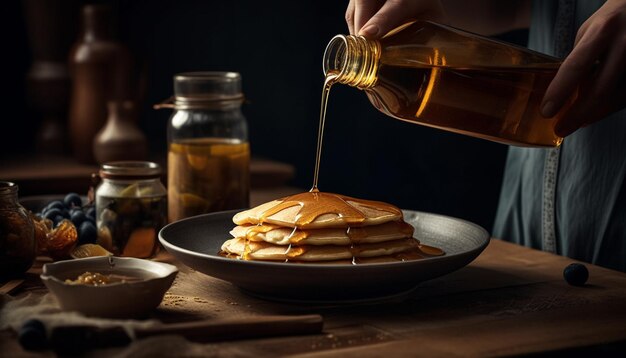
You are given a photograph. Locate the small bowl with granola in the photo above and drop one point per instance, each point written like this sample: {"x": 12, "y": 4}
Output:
{"x": 109, "y": 286}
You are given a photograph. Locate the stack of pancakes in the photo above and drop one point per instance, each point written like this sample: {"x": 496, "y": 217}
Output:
{"x": 323, "y": 227}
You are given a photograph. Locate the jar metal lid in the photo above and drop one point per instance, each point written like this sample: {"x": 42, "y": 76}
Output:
{"x": 130, "y": 170}
{"x": 205, "y": 90}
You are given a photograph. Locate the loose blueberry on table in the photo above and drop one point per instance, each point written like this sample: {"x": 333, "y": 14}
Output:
{"x": 576, "y": 274}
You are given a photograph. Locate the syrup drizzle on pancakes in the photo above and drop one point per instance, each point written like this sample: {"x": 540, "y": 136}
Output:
{"x": 315, "y": 203}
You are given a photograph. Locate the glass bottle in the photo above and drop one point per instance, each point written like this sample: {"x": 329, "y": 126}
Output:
{"x": 131, "y": 207}
{"x": 442, "y": 77}
{"x": 18, "y": 247}
{"x": 208, "y": 154}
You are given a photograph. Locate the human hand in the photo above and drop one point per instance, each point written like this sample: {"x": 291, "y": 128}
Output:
{"x": 375, "y": 18}
{"x": 595, "y": 67}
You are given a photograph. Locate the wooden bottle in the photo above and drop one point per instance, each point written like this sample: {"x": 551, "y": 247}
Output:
{"x": 100, "y": 69}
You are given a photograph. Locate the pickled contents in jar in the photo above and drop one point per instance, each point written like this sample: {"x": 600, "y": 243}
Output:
{"x": 207, "y": 175}
{"x": 127, "y": 226}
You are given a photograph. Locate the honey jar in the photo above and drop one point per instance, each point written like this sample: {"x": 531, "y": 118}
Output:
{"x": 17, "y": 234}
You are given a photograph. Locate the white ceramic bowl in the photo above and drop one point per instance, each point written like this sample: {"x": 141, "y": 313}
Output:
{"x": 119, "y": 300}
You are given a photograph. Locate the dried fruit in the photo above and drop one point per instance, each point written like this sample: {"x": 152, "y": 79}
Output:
{"x": 42, "y": 228}
{"x": 89, "y": 250}
{"x": 62, "y": 240}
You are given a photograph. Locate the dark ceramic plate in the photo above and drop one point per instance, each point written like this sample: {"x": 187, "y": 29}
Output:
{"x": 196, "y": 241}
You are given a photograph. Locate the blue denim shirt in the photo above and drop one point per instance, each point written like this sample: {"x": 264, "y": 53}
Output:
{"x": 588, "y": 205}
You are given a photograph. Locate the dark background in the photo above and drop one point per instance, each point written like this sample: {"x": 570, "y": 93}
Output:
{"x": 277, "y": 46}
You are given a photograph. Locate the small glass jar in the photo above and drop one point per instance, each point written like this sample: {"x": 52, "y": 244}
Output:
{"x": 17, "y": 234}
{"x": 208, "y": 150}
{"x": 131, "y": 208}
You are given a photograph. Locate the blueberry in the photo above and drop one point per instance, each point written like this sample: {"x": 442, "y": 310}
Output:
{"x": 576, "y": 274}
{"x": 65, "y": 213}
{"x": 56, "y": 204}
{"x": 87, "y": 233}
{"x": 57, "y": 219}
{"x": 78, "y": 217}
{"x": 74, "y": 210}
{"x": 91, "y": 213}
{"x": 32, "y": 335}
{"x": 52, "y": 213}
{"x": 73, "y": 200}
{"x": 91, "y": 220}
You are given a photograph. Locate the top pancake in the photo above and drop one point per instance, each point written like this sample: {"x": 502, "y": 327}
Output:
{"x": 316, "y": 210}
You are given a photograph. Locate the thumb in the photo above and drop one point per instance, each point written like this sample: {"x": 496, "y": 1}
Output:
{"x": 395, "y": 13}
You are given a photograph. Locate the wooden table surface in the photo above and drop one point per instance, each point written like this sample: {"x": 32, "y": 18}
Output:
{"x": 511, "y": 300}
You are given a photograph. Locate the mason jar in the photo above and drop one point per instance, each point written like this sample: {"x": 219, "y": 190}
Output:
{"x": 208, "y": 150}
{"x": 131, "y": 207}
